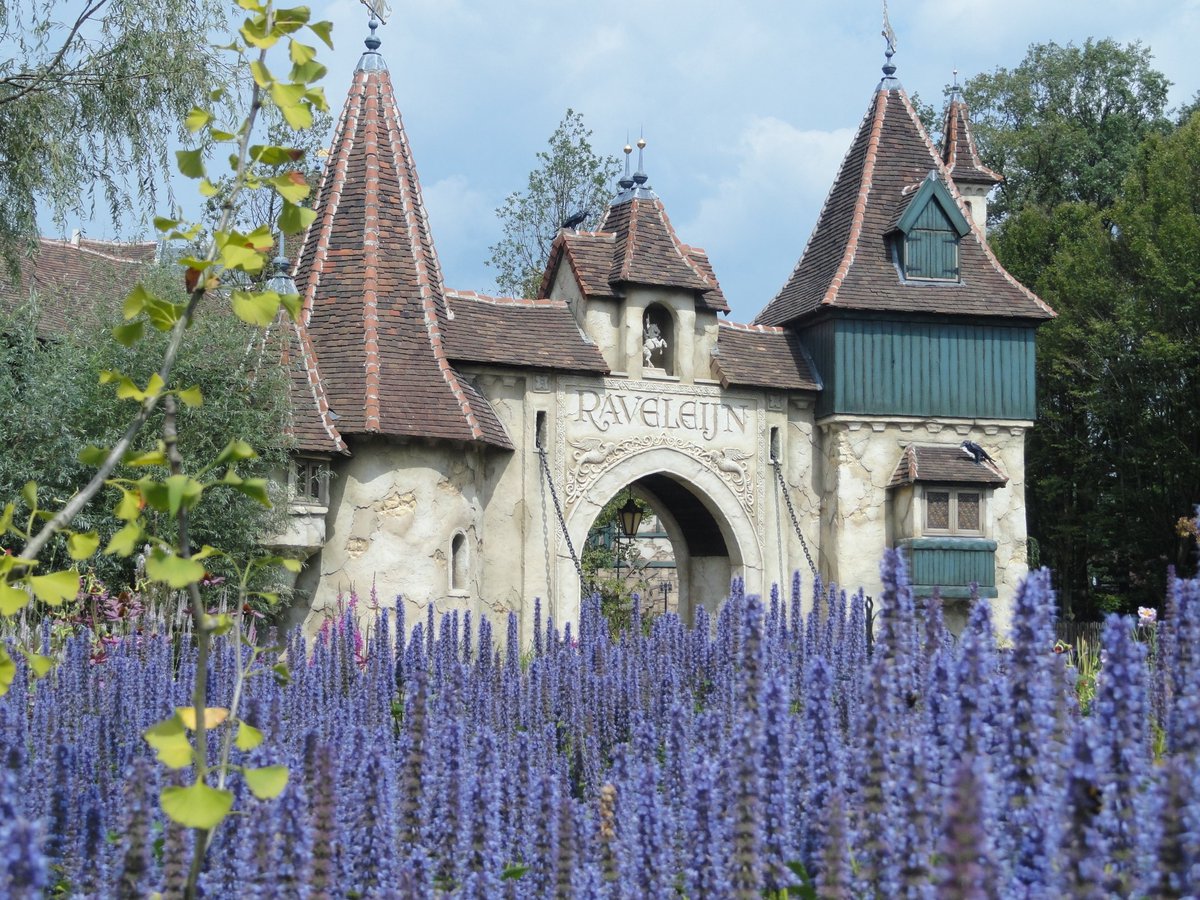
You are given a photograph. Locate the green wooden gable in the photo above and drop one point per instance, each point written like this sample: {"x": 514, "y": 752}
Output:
{"x": 928, "y": 233}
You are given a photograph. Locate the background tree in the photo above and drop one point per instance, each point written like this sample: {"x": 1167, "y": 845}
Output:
{"x": 91, "y": 93}
{"x": 570, "y": 177}
{"x": 1066, "y": 123}
{"x": 56, "y": 406}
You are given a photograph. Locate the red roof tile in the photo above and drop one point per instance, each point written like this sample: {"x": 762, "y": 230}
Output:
{"x": 959, "y": 152}
{"x": 635, "y": 244}
{"x": 944, "y": 463}
{"x": 372, "y": 286}
{"x": 312, "y": 426}
{"x": 763, "y": 356}
{"x": 73, "y": 278}
{"x": 515, "y": 332}
{"x": 848, "y": 263}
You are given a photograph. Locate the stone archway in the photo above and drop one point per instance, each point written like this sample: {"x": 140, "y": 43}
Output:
{"x": 693, "y": 501}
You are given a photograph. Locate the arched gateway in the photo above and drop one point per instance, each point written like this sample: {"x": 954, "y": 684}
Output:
{"x": 455, "y": 449}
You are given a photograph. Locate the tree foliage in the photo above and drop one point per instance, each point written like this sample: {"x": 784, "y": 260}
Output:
{"x": 1066, "y": 123}
{"x": 91, "y": 94}
{"x": 1114, "y": 464}
{"x": 570, "y": 178}
{"x": 56, "y": 407}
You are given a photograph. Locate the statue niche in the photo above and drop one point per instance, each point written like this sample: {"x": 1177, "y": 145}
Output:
{"x": 657, "y": 352}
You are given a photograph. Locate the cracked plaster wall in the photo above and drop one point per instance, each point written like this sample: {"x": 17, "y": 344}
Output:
{"x": 857, "y": 457}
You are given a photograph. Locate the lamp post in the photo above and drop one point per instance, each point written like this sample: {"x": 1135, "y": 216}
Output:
{"x": 665, "y": 587}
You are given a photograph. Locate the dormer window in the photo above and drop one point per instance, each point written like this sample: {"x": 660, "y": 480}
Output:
{"x": 928, "y": 234}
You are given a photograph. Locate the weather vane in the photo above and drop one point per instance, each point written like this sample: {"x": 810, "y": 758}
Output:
{"x": 888, "y": 34}
{"x": 380, "y": 9}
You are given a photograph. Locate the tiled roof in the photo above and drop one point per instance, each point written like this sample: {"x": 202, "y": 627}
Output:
{"x": 372, "y": 286}
{"x": 848, "y": 263}
{"x": 312, "y": 426}
{"x": 73, "y": 278}
{"x": 763, "y": 356}
{"x": 959, "y": 152}
{"x": 943, "y": 463}
{"x": 635, "y": 244}
{"x": 514, "y": 332}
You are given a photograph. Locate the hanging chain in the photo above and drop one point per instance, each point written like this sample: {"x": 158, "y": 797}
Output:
{"x": 792, "y": 512}
{"x": 562, "y": 522}
{"x": 546, "y": 547}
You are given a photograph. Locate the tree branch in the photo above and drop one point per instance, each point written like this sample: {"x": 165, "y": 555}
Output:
{"x": 58, "y": 57}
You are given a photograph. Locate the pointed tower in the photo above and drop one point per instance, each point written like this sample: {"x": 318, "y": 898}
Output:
{"x": 368, "y": 274}
{"x": 922, "y": 340}
{"x": 961, "y": 158}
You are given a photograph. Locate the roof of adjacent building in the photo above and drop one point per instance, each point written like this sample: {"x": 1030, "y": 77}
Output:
{"x": 959, "y": 152}
{"x": 763, "y": 356}
{"x": 849, "y": 264}
{"x": 71, "y": 278}
{"x": 635, "y": 244}
{"x": 943, "y": 463}
{"x": 511, "y": 331}
{"x": 373, "y": 299}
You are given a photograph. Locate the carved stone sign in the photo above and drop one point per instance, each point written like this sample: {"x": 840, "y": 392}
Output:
{"x": 598, "y": 427}
{"x": 706, "y": 418}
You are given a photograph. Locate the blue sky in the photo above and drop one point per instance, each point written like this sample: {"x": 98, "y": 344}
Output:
{"x": 747, "y": 108}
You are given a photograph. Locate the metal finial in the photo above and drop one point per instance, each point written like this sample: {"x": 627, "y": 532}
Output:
{"x": 640, "y": 177}
{"x": 372, "y": 40}
{"x": 889, "y": 35}
{"x": 626, "y": 181}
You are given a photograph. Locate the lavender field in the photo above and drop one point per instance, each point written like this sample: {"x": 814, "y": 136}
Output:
{"x": 763, "y": 753}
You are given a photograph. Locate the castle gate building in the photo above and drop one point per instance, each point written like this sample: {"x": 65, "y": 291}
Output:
{"x": 455, "y": 449}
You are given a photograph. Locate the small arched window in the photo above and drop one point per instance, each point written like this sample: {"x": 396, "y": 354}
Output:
{"x": 658, "y": 339}
{"x": 458, "y": 562}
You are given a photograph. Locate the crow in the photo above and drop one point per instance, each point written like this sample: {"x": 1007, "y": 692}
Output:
{"x": 576, "y": 220}
{"x": 973, "y": 450}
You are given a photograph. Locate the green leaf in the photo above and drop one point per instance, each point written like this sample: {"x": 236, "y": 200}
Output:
{"x": 198, "y": 806}
{"x": 262, "y": 75}
{"x": 191, "y": 396}
{"x": 289, "y": 97}
{"x": 197, "y": 119}
{"x": 191, "y": 163}
{"x": 257, "y": 309}
{"x": 162, "y": 223}
{"x": 129, "y": 334}
{"x": 149, "y": 458}
{"x": 294, "y": 219}
{"x": 182, "y": 493}
{"x": 125, "y": 541}
{"x": 8, "y": 671}
{"x": 283, "y": 675}
{"x": 163, "y": 314}
{"x": 38, "y": 664}
{"x": 12, "y": 599}
{"x": 323, "y": 30}
{"x": 135, "y": 301}
{"x": 56, "y": 587}
{"x": 300, "y": 53}
{"x": 29, "y": 493}
{"x": 235, "y": 451}
{"x": 213, "y": 716}
{"x": 6, "y": 518}
{"x": 291, "y": 186}
{"x": 169, "y": 739}
{"x": 129, "y": 507}
{"x": 307, "y": 73}
{"x": 248, "y": 737}
{"x": 291, "y": 302}
{"x": 238, "y": 257}
{"x": 81, "y": 546}
{"x": 174, "y": 570}
{"x": 93, "y": 456}
{"x": 266, "y": 783}
{"x": 292, "y": 565}
{"x": 516, "y": 870}
{"x": 255, "y": 489}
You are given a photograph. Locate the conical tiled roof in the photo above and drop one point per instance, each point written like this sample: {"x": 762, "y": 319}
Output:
{"x": 635, "y": 244}
{"x": 372, "y": 287}
{"x": 849, "y": 264}
{"x": 959, "y": 152}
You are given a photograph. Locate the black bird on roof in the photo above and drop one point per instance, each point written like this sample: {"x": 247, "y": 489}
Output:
{"x": 576, "y": 220}
{"x": 977, "y": 453}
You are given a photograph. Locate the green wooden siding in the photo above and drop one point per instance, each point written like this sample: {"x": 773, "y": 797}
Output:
{"x": 951, "y": 565}
{"x": 931, "y": 248}
{"x": 876, "y": 366}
